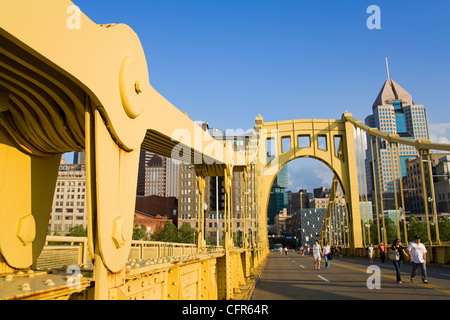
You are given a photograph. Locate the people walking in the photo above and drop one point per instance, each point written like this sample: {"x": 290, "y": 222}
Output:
{"x": 317, "y": 253}
{"x": 382, "y": 249}
{"x": 418, "y": 255}
{"x": 396, "y": 254}
{"x": 327, "y": 255}
{"x": 370, "y": 253}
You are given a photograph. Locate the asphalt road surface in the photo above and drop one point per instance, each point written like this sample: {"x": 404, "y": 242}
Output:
{"x": 293, "y": 277}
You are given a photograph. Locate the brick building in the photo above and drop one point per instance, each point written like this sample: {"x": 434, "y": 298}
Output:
{"x": 152, "y": 222}
{"x": 157, "y": 205}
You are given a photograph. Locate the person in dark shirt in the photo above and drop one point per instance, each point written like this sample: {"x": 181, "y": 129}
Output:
{"x": 398, "y": 249}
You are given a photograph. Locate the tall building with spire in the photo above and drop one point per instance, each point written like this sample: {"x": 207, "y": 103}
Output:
{"x": 394, "y": 112}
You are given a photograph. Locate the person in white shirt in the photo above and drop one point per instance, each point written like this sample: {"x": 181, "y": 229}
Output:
{"x": 418, "y": 254}
{"x": 317, "y": 253}
{"x": 370, "y": 253}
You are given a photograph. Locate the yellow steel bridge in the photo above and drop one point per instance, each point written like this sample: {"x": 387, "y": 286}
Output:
{"x": 56, "y": 98}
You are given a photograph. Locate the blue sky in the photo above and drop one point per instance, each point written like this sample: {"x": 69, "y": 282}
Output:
{"x": 226, "y": 61}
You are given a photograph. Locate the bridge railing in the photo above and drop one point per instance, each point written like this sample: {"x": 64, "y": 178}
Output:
{"x": 158, "y": 249}
{"x": 62, "y": 251}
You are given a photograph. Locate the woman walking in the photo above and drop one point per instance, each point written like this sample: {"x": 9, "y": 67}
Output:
{"x": 396, "y": 254}
{"x": 327, "y": 255}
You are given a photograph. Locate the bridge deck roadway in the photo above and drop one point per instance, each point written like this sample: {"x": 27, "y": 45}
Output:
{"x": 292, "y": 277}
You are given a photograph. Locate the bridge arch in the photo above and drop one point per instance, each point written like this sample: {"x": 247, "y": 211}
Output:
{"x": 336, "y": 176}
{"x": 328, "y": 141}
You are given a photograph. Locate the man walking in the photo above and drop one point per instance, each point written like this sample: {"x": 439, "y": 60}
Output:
{"x": 418, "y": 254}
{"x": 317, "y": 253}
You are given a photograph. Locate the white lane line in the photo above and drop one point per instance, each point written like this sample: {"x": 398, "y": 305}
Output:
{"x": 445, "y": 274}
{"x": 326, "y": 280}
{"x": 302, "y": 266}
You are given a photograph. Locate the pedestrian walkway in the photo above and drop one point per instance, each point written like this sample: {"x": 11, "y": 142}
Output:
{"x": 292, "y": 277}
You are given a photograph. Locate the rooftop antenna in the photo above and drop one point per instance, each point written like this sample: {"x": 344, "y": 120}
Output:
{"x": 387, "y": 69}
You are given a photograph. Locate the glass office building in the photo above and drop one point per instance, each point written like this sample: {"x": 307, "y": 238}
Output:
{"x": 278, "y": 199}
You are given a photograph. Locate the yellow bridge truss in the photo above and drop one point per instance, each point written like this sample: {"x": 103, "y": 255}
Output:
{"x": 72, "y": 89}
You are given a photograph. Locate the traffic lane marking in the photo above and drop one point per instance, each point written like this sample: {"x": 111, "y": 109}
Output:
{"x": 326, "y": 280}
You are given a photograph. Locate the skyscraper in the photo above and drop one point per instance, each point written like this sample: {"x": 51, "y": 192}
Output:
{"x": 79, "y": 157}
{"x": 69, "y": 200}
{"x": 157, "y": 175}
{"x": 393, "y": 112}
{"x": 278, "y": 199}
